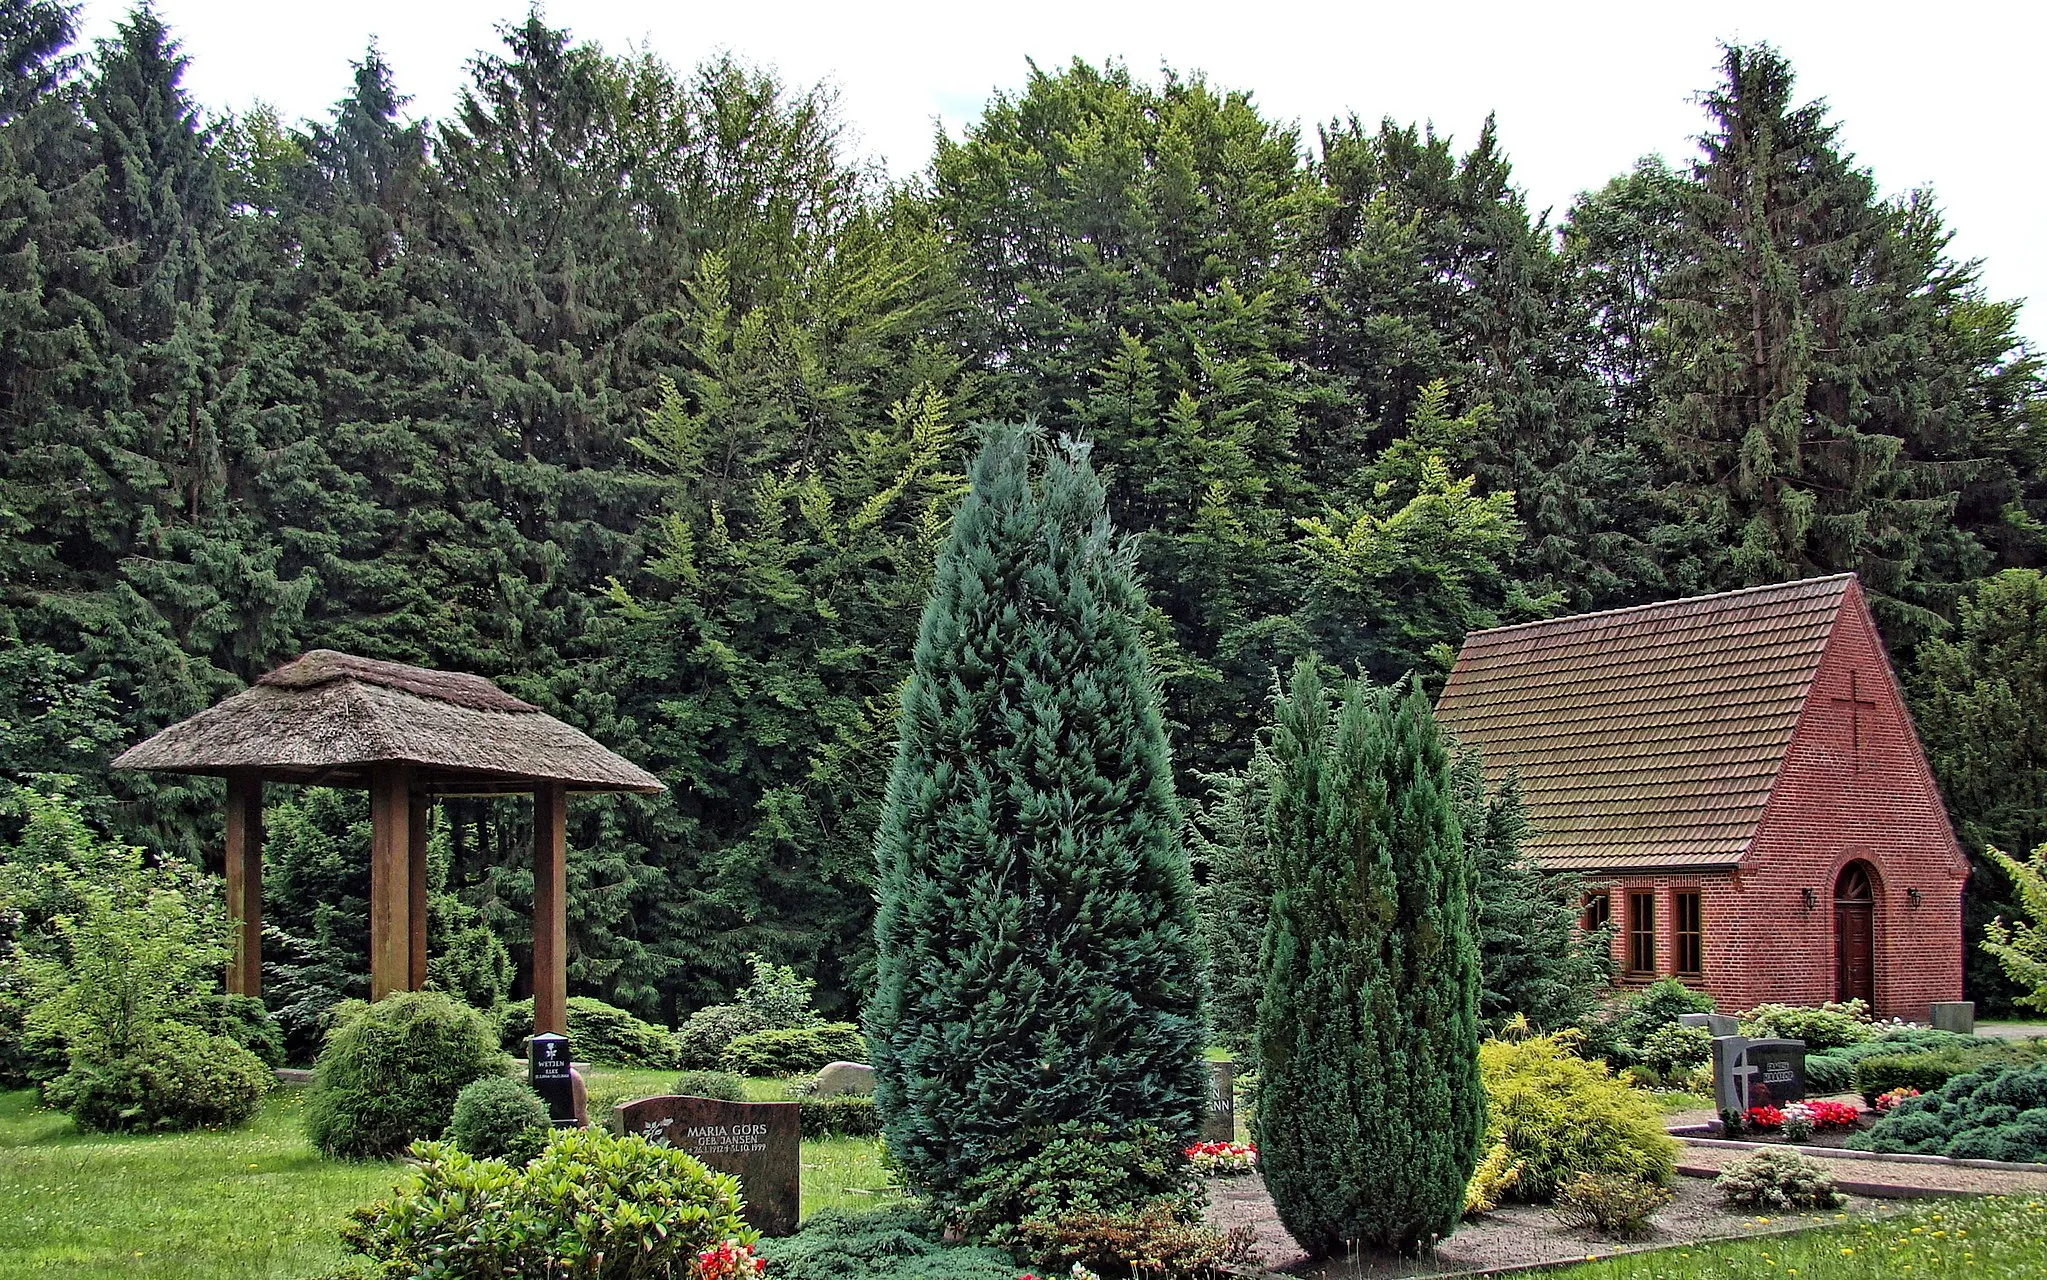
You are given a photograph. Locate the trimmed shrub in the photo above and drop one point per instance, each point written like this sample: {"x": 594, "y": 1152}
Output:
{"x": 898, "y": 1243}
{"x": 244, "y": 1020}
{"x": 1562, "y": 1115}
{"x": 1047, "y": 1172}
{"x": 599, "y": 1033}
{"x": 180, "y": 1078}
{"x": 391, "y": 1072}
{"x": 592, "y": 1204}
{"x": 1827, "y": 1073}
{"x": 1993, "y": 1113}
{"x": 789, "y": 1051}
{"x": 1828, "y": 1026}
{"x": 1925, "y": 1072}
{"x": 849, "y": 1115}
{"x": 1609, "y": 1203}
{"x": 1035, "y": 953}
{"x": 1778, "y": 1179}
{"x": 1676, "y": 1051}
{"x": 1370, "y": 1108}
{"x": 496, "y": 1116}
{"x": 700, "y": 1045}
{"x": 475, "y": 968}
{"x": 1171, "y": 1247}
{"x": 722, "y": 1085}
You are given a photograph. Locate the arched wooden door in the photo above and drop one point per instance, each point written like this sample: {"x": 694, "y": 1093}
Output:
{"x": 1855, "y": 935}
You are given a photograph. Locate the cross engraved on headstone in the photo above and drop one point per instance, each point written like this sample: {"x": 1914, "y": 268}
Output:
{"x": 1856, "y": 702}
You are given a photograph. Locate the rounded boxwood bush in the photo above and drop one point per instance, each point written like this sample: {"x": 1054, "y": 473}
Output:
{"x": 1561, "y": 1116}
{"x": 182, "y": 1078}
{"x": 598, "y": 1033}
{"x": 700, "y": 1044}
{"x": 722, "y": 1085}
{"x": 391, "y": 1072}
{"x": 496, "y": 1116}
{"x": 794, "y": 1050}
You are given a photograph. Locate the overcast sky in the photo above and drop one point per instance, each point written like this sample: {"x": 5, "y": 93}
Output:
{"x": 1926, "y": 94}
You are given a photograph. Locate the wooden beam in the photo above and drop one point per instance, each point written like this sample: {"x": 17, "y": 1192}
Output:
{"x": 550, "y": 915}
{"x": 421, "y": 809}
{"x": 244, "y": 868}
{"x": 390, "y": 880}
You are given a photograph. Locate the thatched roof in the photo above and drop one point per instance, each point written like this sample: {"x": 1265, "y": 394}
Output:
{"x": 328, "y": 716}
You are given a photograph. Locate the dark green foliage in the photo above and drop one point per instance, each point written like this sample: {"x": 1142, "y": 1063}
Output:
{"x": 180, "y": 1078}
{"x": 1994, "y": 1113}
{"x": 794, "y": 1050}
{"x": 848, "y": 1115}
{"x": 244, "y": 1020}
{"x": 722, "y": 1085}
{"x": 700, "y": 1044}
{"x": 1074, "y": 1168}
{"x": 1618, "y": 1031}
{"x": 391, "y": 1072}
{"x": 640, "y": 1210}
{"x": 1828, "y": 1074}
{"x": 496, "y": 1116}
{"x": 1370, "y": 1108}
{"x": 598, "y": 1033}
{"x": 1037, "y": 962}
{"x": 1226, "y": 846}
{"x": 1153, "y": 1243}
{"x": 901, "y": 1243}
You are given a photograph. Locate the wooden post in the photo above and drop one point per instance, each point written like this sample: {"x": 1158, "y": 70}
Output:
{"x": 245, "y": 881}
{"x": 415, "y": 841}
{"x": 390, "y": 880}
{"x": 550, "y": 916}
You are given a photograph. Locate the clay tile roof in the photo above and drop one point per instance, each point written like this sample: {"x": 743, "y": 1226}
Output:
{"x": 1645, "y": 737}
{"x": 328, "y": 716}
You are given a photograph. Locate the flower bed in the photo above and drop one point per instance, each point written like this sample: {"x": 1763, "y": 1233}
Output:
{"x": 1223, "y": 1159}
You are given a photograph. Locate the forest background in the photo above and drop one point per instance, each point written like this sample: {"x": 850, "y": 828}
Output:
{"x": 633, "y": 389}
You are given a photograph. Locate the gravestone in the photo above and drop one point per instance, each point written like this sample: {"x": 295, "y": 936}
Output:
{"x": 1958, "y": 1016}
{"x": 548, "y": 1071}
{"x": 839, "y": 1078}
{"x": 1219, "y": 1119}
{"x": 757, "y": 1142}
{"x": 1731, "y": 1074}
{"x": 1780, "y": 1072}
{"x": 1719, "y": 1024}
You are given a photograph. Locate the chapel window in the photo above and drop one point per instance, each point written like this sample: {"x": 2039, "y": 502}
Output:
{"x": 1598, "y": 911}
{"x": 1691, "y": 934}
{"x": 1642, "y": 932}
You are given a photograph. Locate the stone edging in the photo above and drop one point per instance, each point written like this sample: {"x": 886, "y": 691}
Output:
{"x": 1842, "y": 1153}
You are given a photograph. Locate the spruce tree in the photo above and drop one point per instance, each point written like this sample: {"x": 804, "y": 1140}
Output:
{"x": 1370, "y": 1109}
{"x": 1037, "y": 970}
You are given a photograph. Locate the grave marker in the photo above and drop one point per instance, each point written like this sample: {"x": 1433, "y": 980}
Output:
{"x": 548, "y": 1071}
{"x": 757, "y": 1142}
{"x": 1958, "y": 1016}
{"x": 1219, "y": 1117}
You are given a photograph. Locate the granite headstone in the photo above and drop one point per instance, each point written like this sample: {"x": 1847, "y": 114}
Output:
{"x": 1780, "y": 1072}
{"x": 548, "y": 1071}
{"x": 1731, "y": 1074}
{"x": 1219, "y": 1119}
{"x": 757, "y": 1142}
{"x": 1958, "y": 1016}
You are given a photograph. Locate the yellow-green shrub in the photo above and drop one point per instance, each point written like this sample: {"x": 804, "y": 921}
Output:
{"x": 1561, "y": 1115}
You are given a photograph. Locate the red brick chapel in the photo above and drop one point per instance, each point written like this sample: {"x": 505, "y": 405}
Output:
{"x": 1739, "y": 782}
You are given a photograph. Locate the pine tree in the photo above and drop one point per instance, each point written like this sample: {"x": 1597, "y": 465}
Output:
{"x": 1226, "y": 844}
{"x": 1037, "y": 967}
{"x": 1369, "y": 1106}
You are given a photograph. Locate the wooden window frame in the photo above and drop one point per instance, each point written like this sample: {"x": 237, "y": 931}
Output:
{"x": 1688, "y": 937}
{"x": 1641, "y": 932}
{"x": 1596, "y": 912}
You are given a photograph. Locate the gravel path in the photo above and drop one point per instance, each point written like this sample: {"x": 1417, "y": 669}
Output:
{"x": 1923, "y": 1178}
{"x": 1516, "y": 1235}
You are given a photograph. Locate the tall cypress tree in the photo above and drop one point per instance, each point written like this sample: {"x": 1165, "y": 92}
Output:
{"x": 1369, "y": 1108}
{"x": 1037, "y": 965}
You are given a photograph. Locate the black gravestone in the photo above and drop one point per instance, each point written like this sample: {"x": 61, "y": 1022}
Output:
{"x": 547, "y": 1070}
{"x": 1219, "y": 1119}
{"x": 757, "y": 1142}
{"x": 1780, "y": 1072}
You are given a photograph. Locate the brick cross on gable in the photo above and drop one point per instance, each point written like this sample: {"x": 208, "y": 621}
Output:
{"x": 1856, "y": 702}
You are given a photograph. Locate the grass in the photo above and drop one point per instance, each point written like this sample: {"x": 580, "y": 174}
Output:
{"x": 1994, "y": 1238}
{"x": 259, "y": 1201}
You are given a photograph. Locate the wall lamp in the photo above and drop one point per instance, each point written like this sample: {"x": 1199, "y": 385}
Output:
{"x": 1916, "y": 898}
{"x": 1811, "y": 896}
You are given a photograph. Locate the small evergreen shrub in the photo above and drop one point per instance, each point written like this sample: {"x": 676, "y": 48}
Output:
{"x": 1160, "y": 1238}
{"x": 1618, "y": 1032}
{"x": 599, "y": 1033}
{"x": 1828, "y": 1073}
{"x": 791, "y": 1051}
{"x": 180, "y": 1078}
{"x": 244, "y": 1020}
{"x": 776, "y": 996}
{"x": 475, "y": 968}
{"x": 1925, "y": 1072}
{"x": 722, "y": 1085}
{"x": 1777, "y": 1179}
{"x": 1050, "y": 1172}
{"x": 496, "y": 1116}
{"x": 700, "y": 1044}
{"x": 1993, "y": 1113}
{"x": 1609, "y": 1203}
{"x": 1828, "y": 1026}
{"x": 849, "y": 1115}
{"x": 899, "y": 1243}
{"x": 1562, "y": 1115}
{"x": 391, "y": 1072}
{"x": 592, "y": 1204}
{"x": 1675, "y": 1050}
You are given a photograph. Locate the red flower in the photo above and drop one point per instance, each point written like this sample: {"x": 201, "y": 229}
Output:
{"x": 1765, "y": 1118}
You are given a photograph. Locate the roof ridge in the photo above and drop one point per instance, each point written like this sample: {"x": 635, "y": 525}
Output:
{"x": 1787, "y": 585}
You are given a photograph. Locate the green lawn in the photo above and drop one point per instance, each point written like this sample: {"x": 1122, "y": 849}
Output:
{"x": 256, "y": 1201}
{"x": 1994, "y": 1238}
